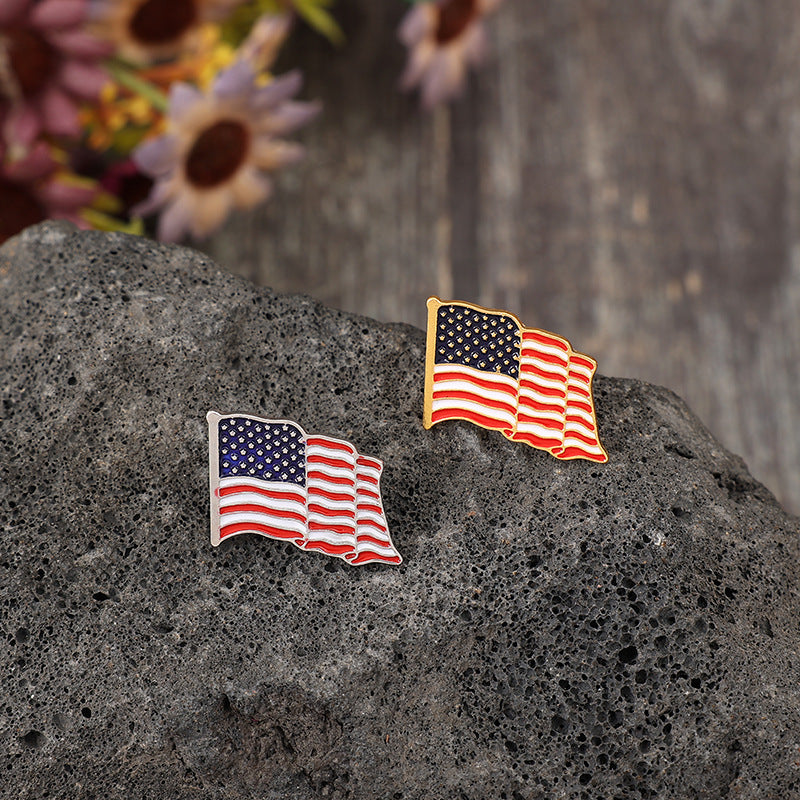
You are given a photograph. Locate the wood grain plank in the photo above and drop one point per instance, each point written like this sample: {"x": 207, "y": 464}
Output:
{"x": 624, "y": 173}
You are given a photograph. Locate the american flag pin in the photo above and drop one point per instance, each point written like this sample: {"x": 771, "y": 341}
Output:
{"x": 486, "y": 367}
{"x": 271, "y": 478}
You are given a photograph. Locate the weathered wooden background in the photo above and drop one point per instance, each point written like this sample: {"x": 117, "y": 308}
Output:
{"x": 625, "y": 173}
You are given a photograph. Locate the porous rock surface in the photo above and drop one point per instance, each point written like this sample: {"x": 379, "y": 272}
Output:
{"x": 557, "y": 630}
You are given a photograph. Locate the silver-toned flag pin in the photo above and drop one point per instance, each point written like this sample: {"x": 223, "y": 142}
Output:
{"x": 271, "y": 478}
{"x": 484, "y": 366}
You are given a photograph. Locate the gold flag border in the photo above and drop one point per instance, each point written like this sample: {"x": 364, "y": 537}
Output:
{"x": 434, "y": 304}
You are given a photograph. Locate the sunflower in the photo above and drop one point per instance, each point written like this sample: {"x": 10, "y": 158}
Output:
{"x": 443, "y": 38}
{"x": 147, "y": 31}
{"x": 216, "y": 148}
{"x": 48, "y": 65}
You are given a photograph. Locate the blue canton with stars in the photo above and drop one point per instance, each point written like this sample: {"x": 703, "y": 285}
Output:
{"x": 271, "y": 451}
{"x": 485, "y": 341}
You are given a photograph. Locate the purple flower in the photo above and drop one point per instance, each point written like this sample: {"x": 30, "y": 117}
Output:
{"x": 444, "y": 38}
{"x": 217, "y": 148}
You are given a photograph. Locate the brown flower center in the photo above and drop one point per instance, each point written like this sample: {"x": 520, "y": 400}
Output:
{"x": 133, "y": 189}
{"x": 454, "y": 17}
{"x": 31, "y": 59}
{"x": 20, "y": 209}
{"x": 217, "y": 153}
{"x": 162, "y": 21}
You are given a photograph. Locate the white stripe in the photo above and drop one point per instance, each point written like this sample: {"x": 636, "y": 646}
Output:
{"x": 492, "y": 413}
{"x": 263, "y": 519}
{"x": 331, "y": 537}
{"x": 546, "y": 383}
{"x": 368, "y": 472}
{"x": 365, "y": 517}
{"x": 538, "y": 430}
{"x": 371, "y": 547}
{"x": 587, "y": 448}
{"x": 316, "y": 516}
{"x": 582, "y": 372}
{"x": 585, "y": 416}
{"x": 332, "y": 505}
{"x": 577, "y": 397}
{"x": 442, "y": 387}
{"x": 267, "y": 503}
{"x": 326, "y": 452}
{"x": 529, "y": 394}
{"x": 495, "y": 377}
{"x": 555, "y": 383}
{"x": 325, "y": 469}
{"x": 278, "y": 486}
{"x": 530, "y": 347}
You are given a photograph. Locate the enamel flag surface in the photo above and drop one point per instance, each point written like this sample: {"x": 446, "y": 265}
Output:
{"x": 271, "y": 478}
{"x": 485, "y": 367}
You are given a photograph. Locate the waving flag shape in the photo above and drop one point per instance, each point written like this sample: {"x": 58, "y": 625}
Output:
{"x": 271, "y": 478}
{"x": 484, "y": 366}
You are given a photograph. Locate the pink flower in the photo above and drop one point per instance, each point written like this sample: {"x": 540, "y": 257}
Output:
{"x": 218, "y": 147}
{"x": 444, "y": 38}
{"x": 47, "y": 66}
{"x": 36, "y": 187}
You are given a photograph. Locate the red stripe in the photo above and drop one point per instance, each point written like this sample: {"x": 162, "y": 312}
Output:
{"x": 527, "y": 402}
{"x": 362, "y": 537}
{"x": 471, "y": 416}
{"x": 321, "y": 442}
{"x": 581, "y": 438}
{"x": 579, "y": 404}
{"x": 581, "y": 391}
{"x": 579, "y": 420}
{"x": 536, "y": 441}
{"x": 324, "y": 526}
{"x": 367, "y": 493}
{"x": 330, "y": 549}
{"x": 547, "y": 391}
{"x": 364, "y": 523}
{"x": 263, "y": 510}
{"x": 327, "y": 512}
{"x": 339, "y": 480}
{"x": 584, "y": 361}
{"x": 273, "y": 493}
{"x": 550, "y": 358}
{"x": 482, "y": 382}
{"x": 366, "y": 461}
{"x": 331, "y": 462}
{"x": 368, "y": 507}
{"x": 532, "y": 369}
{"x": 484, "y": 401}
{"x": 553, "y": 424}
{"x": 577, "y": 452}
{"x": 257, "y": 527}
{"x": 368, "y": 479}
{"x": 536, "y": 336}
{"x": 363, "y": 558}
{"x": 315, "y": 490}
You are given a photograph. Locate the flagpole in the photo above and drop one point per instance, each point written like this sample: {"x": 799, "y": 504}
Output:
{"x": 433, "y": 304}
{"x": 213, "y": 418}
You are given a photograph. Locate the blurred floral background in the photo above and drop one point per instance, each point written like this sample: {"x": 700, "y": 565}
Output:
{"x": 165, "y": 116}
{"x": 626, "y": 174}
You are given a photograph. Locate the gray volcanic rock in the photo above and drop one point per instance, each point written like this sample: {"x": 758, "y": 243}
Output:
{"x": 557, "y": 630}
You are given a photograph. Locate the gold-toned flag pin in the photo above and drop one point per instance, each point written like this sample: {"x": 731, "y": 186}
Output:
{"x": 484, "y": 366}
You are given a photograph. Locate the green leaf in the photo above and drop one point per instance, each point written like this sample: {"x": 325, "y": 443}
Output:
{"x": 315, "y": 13}
{"x": 124, "y": 76}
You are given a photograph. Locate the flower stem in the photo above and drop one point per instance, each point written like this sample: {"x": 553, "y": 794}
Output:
{"x": 125, "y": 77}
